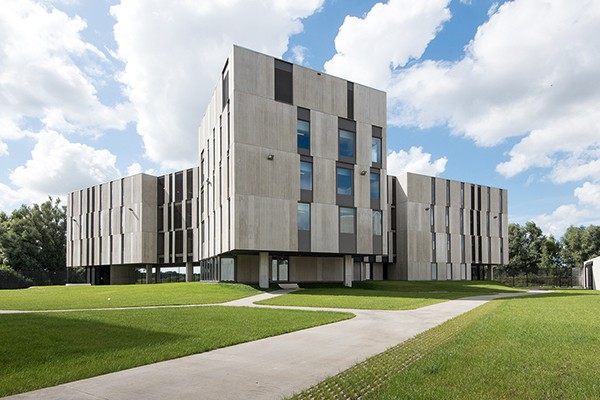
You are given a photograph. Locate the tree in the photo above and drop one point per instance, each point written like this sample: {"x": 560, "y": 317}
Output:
{"x": 525, "y": 249}
{"x": 33, "y": 241}
{"x": 550, "y": 259}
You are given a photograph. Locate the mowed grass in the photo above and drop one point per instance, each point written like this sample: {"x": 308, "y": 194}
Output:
{"x": 387, "y": 295}
{"x": 80, "y": 297}
{"x": 45, "y": 349}
{"x": 538, "y": 347}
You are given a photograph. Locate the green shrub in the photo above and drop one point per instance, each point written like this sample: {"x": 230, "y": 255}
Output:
{"x": 11, "y": 279}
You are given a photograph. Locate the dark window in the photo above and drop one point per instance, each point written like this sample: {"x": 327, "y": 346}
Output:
{"x": 350, "y": 95}
{"x": 202, "y": 232}
{"x": 376, "y": 150}
{"x": 177, "y": 216}
{"x": 501, "y": 200}
{"x": 225, "y": 87}
{"x": 179, "y": 186}
{"x": 461, "y": 214}
{"x": 374, "y": 185}
{"x": 161, "y": 244}
{"x": 447, "y": 219}
{"x": 303, "y": 217}
{"x": 432, "y": 218}
{"x": 303, "y": 130}
{"x": 473, "y": 196}
{"x": 346, "y": 144}
{"x": 179, "y": 242}
{"x": 202, "y": 169}
{"x": 190, "y": 183}
{"x": 188, "y": 214}
{"x": 347, "y": 220}
{"x": 489, "y": 199}
{"x": 377, "y": 223}
{"x": 306, "y": 175}
{"x": 447, "y": 193}
{"x": 344, "y": 181}
{"x": 190, "y": 242}
{"x": 462, "y": 195}
{"x": 160, "y": 219}
{"x": 161, "y": 191}
{"x": 283, "y": 82}
{"x": 432, "y": 190}
{"x": 434, "y": 271}
{"x": 478, "y": 197}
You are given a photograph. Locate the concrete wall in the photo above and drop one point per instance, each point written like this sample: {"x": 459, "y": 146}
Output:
{"x": 113, "y": 223}
{"x": 451, "y": 199}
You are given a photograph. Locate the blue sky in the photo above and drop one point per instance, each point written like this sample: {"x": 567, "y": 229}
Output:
{"x": 505, "y": 94}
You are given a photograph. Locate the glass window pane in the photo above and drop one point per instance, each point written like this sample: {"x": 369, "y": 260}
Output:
{"x": 274, "y": 271}
{"x": 377, "y": 223}
{"x": 376, "y": 150}
{"x": 374, "y": 185}
{"x": 347, "y": 220}
{"x": 305, "y": 175}
{"x": 303, "y": 128}
{"x": 344, "y": 181}
{"x": 283, "y": 270}
{"x": 434, "y": 271}
{"x": 346, "y": 144}
{"x": 303, "y": 217}
{"x": 227, "y": 269}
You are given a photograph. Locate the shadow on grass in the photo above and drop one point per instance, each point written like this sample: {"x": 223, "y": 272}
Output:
{"x": 30, "y": 340}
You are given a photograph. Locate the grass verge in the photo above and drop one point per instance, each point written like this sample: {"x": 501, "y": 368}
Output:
{"x": 543, "y": 346}
{"x": 46, "y": 349}
{"x": 110, "y": 296}
{"x": 386, "y": 295}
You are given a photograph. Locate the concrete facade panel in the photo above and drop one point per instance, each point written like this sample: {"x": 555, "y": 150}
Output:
{"x": 325, "y": 232}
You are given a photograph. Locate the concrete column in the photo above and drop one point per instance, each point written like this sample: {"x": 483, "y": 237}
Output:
{"x": 148, "y": 273}
{"x": 348, "y": 270}
{"x": 263, "y": 270}
{"x": 189, "y": 271}
{"x": 157, "y": 273}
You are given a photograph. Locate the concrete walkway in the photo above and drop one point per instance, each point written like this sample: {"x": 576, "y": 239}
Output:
{"x": 269, "y": 368}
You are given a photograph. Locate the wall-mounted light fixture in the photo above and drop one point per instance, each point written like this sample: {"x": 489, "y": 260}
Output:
{"x": 74, "y": 220}
{"x": 270, "y": 157}
{"x": 363, "y": 172}
{"x": 426, "y": 208}
{"x": 495, "y": 217}
{"x": 208, "y": 182}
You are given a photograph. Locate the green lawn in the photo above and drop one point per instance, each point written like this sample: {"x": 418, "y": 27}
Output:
{"x": 387, "y": 295}
{"x": 45, "y": 349}
{"x": 79, "y": 297}
{"x": 538, "y": 347}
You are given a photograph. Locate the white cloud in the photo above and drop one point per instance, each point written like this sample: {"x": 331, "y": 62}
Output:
{"x": 583, "y": 213}
{"x": 589, "y": 194}
{"x": 134, "y": 169}
{"x": 174, "y": 55}
{"x": 43, "y": 74}
{"x": 415, "y": 161}
{"x": 58, "y": 166}
{"x": 387, "y": 37}
{"x": 299, "y": 54}
{"x": 531, "y": 71}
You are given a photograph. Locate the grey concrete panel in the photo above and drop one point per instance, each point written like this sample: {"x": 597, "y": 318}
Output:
{"x": 332, "y": 269}
{"x": 324, "y": 135}
{"x": 324, "y": 181}
{"x": 364, "y": 226}
{"x": 252, "y": 73}
{"x": 324, "y": 228}
{"x": 319, "y": 91}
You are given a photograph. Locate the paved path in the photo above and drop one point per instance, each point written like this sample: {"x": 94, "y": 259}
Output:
{"x": 269, "y": 368}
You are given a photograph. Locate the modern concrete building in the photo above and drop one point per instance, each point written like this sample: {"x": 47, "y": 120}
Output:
{"x": 446, "y": 230}
{"x": 589, "y": 275}
{"x": 291, "y": 187}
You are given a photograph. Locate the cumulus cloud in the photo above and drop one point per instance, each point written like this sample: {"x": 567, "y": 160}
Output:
{"x": 585, "y": 212}
{"x": 299, "y": 54}
{"x": 531, "y": 71}
{"x": 58, "y": 166}
{"x": 415, "y": 160}
{"x": 391, "y": 34}
{"x": 173, "y": 56}
{"x": 589, "y": 194}
{"x": 41, "y": 79}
